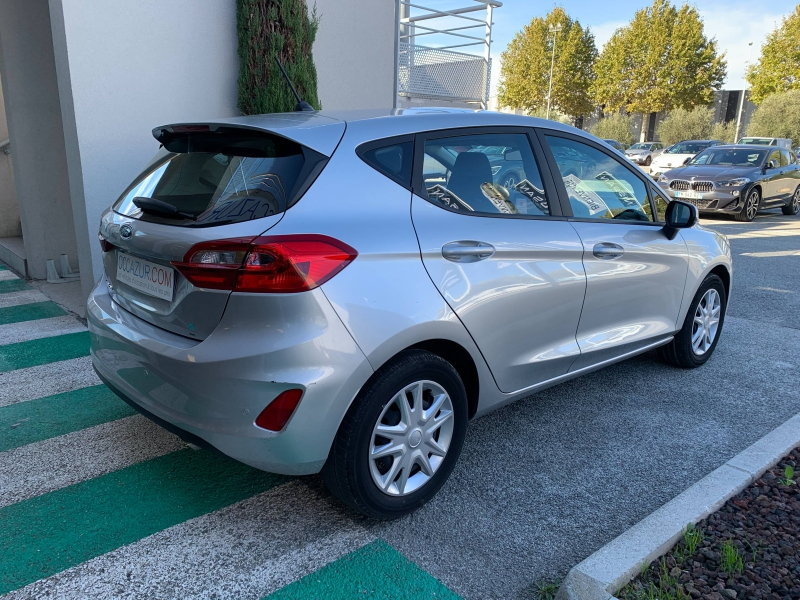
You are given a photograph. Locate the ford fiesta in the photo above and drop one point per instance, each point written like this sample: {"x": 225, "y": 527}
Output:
{"x": 342, "y": 293}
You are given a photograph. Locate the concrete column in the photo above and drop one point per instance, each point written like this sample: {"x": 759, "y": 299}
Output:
{"x": 124, "y": 68}
{"x": 355, "y": 53}
{"x": 9, "y": 209}
{"x": 33, "y": 111}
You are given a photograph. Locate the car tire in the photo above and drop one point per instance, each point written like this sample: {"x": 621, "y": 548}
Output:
{"x": 648, "y": 161}
{"x": 794, "y": 204}
{"x": 407, "y": 480}
{"x": 749, "y": 207}
{"x": 684, "y": 351}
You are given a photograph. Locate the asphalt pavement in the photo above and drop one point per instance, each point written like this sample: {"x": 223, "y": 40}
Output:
{"x": 97, "y": 502}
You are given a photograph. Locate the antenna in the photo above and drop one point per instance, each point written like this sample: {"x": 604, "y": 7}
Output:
{"x": 302, "y": 105}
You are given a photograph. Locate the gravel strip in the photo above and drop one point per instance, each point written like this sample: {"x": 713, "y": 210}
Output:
{"x": 750, "y": 548}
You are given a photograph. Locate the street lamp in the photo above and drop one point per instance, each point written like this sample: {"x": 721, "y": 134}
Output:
{"x": 554, "y": 29}
{"x": 744, "y": 93}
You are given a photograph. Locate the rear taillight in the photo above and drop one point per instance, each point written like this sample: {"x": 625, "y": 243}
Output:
{"x": 104, "y": 243}
{"x": 273, "y": 264}
{"x": 278, "y": 412}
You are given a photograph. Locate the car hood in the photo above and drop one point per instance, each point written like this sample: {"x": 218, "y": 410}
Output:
{"x": 636, "y": 151}
{"x": 712, "y": 173}
{"x": 671, "y": 160}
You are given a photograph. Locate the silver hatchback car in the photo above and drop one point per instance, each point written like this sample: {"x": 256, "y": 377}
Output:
{"x": 342, "y": 293}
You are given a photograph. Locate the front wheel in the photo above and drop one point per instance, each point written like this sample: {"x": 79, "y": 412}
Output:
{"x": 648, "y": 161}
{"x": 401, "y": 437}
{"x": 695, "y": 342}
{"x": 750, "y": 208}
{"x": 794, "y": 204}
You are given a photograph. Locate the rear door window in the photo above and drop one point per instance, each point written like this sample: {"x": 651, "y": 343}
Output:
{"x": 221, "y": 177}
{"x": 488, "y": 173}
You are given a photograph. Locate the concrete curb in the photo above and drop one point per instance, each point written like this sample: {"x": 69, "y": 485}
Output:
{"x": 606, "y": 571}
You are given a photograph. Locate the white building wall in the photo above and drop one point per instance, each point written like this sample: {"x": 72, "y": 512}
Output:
{"x": 355, "y": 53}
{"x": 123, "y": 68}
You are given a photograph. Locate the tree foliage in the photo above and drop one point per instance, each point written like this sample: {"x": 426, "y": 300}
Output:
{"x": 270, "y": 28}
{"x": 681, "y": 124}
{"x": 724, "y": 131}
{"x": 778, "y": 116}
{"x": 778, "y": 69}
{"x": 525, "y": 72}
{"x": 615, "y": 126}
{"x": 661, "y": 60}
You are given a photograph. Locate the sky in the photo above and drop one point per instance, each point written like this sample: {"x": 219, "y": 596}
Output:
{"x": 733, "y": 23}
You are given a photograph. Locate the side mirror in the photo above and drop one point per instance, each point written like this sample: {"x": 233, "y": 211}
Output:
{"x": 772, "y": 165}
{"x": 679, "y": 215}
{"x": 687, "y": 160}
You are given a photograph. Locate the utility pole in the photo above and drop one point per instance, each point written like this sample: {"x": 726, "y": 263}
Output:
{"x": 744, "y": 93}
{"x": 554, "y": 29}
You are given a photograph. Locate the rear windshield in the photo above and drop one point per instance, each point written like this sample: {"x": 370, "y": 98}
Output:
{"x": 759, "y": 141}
{"x": 216, "y": 178}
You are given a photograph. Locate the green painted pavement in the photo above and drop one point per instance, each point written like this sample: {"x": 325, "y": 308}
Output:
{"x": 3, "y": 268}
{"x": 42, "y": 351}
{"x": 37, "y": 420}
{"x": 13, "y": 285}
{"x": 45, "y": 535}
{"x": 375, "y": 571}
{"x": 30, "y": 312}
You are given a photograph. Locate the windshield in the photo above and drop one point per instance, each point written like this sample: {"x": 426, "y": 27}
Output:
{"x": 727, "y": 157}
{"x": 218, "y": 179}
{"x": 687, "y": 148}
{"x": 640, "y": 146}
{"x": 759, "y": 141}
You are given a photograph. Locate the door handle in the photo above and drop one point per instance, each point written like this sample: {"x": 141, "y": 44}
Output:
{"x": 467, "y": 251}
{"x": 607, "y": 251}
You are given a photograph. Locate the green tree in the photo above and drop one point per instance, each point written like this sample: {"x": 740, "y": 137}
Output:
{"x": 681, "y": 124}
{"x": 270, "y": 28}
{"x": 525, "y": 72}
{"x": 724, "y": 131}
{"x": 615, "y": 126}
{"x": 778, "y": 116}
{"x": 778, "y": 69}
{"x": 661, "y": 60}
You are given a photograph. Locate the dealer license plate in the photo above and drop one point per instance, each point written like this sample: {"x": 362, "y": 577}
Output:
{"x": 145, "y": 276}
{"x": 689, "y": 194}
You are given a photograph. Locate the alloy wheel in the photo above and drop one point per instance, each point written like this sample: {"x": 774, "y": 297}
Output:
{"x": 706, "y": 322}
{"x": 752, "y": 205}
{"x": 411, "y": 438}
{"x": 510, "y": 182}
{"x": 796, "y": 200}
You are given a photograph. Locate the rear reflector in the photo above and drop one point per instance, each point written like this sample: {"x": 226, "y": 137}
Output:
{"x": 278, "y": 412}
{"x": 272, "y": 264}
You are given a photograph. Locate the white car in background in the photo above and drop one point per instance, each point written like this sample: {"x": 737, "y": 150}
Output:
{"x": 677, "y": 154}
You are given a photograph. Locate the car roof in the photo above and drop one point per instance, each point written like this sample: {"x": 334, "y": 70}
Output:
{"x": 748, "y": 147}
{"x": 322, "y": 130}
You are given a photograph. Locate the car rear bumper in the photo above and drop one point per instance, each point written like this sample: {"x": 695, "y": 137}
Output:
{"x": 211, "y": 392}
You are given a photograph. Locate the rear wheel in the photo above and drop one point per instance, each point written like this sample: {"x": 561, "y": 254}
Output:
{"x": 695, "y": 342}
{"x": 794, "y": 204}
{"x": 401, "y": 437}
{"x": 750, "y": 208}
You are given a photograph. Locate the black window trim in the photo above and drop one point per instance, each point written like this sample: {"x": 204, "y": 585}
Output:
{"x": 566, "y": 208}
{"x": 418, "y": 185}
{"x": 361, "y": 149}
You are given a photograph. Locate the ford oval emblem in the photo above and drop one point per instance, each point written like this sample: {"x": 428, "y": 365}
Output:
{"x": 126, "y": 231}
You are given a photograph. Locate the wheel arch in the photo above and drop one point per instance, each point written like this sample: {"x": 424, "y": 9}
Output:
{"x": 722, "y": 272}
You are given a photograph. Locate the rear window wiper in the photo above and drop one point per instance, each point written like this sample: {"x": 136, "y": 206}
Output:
{"x": 158, "y": 207}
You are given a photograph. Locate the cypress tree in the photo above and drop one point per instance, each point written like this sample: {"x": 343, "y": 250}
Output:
{"x": 275, "y": 28}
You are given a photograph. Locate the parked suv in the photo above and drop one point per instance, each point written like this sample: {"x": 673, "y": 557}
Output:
{"x": 343, "y": 292}
{"x": 738, "y": 180}
{"x": 643, "y": 153}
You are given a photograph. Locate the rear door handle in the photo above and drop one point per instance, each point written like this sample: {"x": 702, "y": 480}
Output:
{"x": 467, "y": 251}
{"x": 607, "y": 251}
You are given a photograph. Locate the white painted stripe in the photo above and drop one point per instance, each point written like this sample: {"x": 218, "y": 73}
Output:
{"x": 12, "y": 333}
{"x": 45, "y": 380}
{"x": 17, "y": 298}
{"x": 6, "y": 275}
{"x": 55, "y": 463}
{"x": 246, "y": 550}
